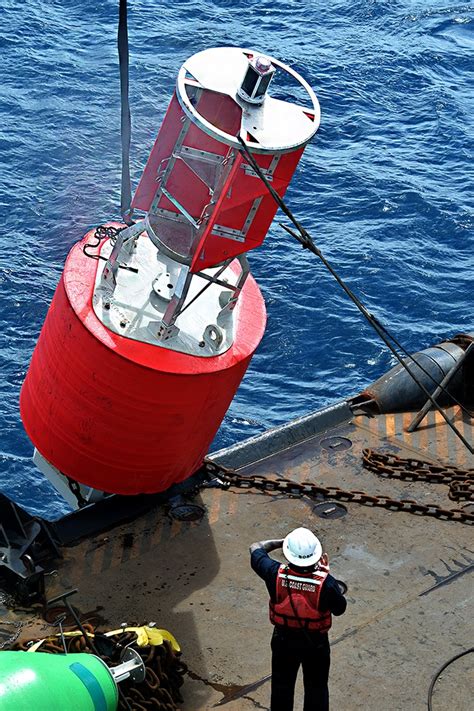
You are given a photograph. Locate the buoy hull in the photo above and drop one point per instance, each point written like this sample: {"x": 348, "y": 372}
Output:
{"x": 120, "y": 415}
{"x": 37, "y": 680}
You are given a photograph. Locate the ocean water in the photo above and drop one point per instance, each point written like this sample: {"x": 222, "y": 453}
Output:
{"x": 385, "y": 187}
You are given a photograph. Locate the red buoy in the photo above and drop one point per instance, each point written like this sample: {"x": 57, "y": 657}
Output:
{"x": 153, "y": 325}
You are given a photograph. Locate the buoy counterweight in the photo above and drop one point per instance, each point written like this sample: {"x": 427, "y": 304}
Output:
{"x": 146, "y": 343}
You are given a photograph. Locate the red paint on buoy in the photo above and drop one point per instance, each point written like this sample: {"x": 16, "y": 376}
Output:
{"x": 238, "y": 194}
{"x": 118, "y": 414}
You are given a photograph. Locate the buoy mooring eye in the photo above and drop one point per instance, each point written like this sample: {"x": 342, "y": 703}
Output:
{"x": 257, "y": 79}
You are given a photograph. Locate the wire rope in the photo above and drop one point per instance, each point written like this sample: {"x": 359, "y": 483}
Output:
{"x": 305, "y": 239}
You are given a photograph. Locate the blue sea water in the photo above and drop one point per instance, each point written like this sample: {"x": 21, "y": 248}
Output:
{"x": 385, "y": 187}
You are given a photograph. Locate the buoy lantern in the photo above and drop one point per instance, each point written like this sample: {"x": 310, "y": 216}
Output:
{"x": 153, "y": 324}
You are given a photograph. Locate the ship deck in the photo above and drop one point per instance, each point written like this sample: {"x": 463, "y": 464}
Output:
{"x": 409, "y": 589}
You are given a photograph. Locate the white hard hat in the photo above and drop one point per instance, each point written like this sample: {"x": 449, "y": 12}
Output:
{"x": 302, "y": 548}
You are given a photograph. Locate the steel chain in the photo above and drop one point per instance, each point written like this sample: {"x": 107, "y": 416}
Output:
{"x": 460, "y": 481}
{"x": 389, "y": 466}
{"x": 12, "y": 638}
{"x": 413, "y": 469}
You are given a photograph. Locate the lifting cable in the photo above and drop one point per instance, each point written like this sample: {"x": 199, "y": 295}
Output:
{"x": 125, "y": 118}
{"x": 302, "y": 236}
{"x": 306, "y": 241}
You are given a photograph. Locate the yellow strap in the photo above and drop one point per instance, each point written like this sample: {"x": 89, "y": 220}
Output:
{"x": 149, "y": 635}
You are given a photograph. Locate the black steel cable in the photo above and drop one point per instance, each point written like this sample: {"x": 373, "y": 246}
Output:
{"x": 381, "y": 330}
{"x": 305, "y": 239}
{"x": 205, "y": 288}
{"x": 440, "y": 671}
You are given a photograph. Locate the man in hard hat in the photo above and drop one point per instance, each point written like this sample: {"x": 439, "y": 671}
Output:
{"x": 303, "y": 598}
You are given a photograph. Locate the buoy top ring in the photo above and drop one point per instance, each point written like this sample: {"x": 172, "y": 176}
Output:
{"x": 273, "y": 126}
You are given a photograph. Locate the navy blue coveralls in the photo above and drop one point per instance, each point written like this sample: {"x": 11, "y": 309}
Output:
{"x": 293, "y": 647}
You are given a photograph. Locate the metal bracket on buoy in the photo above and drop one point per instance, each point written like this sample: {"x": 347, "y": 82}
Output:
{"x": 167, "y": 327}
{"x": 62, "y": 484}
{"x": 125, "y": 243}
{"x": 213, "y": 336}
{"x": 131, "y": 667}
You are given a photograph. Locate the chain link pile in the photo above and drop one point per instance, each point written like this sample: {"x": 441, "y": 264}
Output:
{"x": 160, "y": 691}
{"x": 389, "y": 466}
{"x": 9, "y": 638}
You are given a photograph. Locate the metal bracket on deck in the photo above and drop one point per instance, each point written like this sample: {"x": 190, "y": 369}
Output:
{"x": 26, "y": 545}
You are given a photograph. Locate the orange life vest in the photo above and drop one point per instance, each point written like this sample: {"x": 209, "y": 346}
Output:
{"x": 297, "y": 599}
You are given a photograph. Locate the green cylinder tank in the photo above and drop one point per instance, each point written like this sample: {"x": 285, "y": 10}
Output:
{"x": 55, "y": 682}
